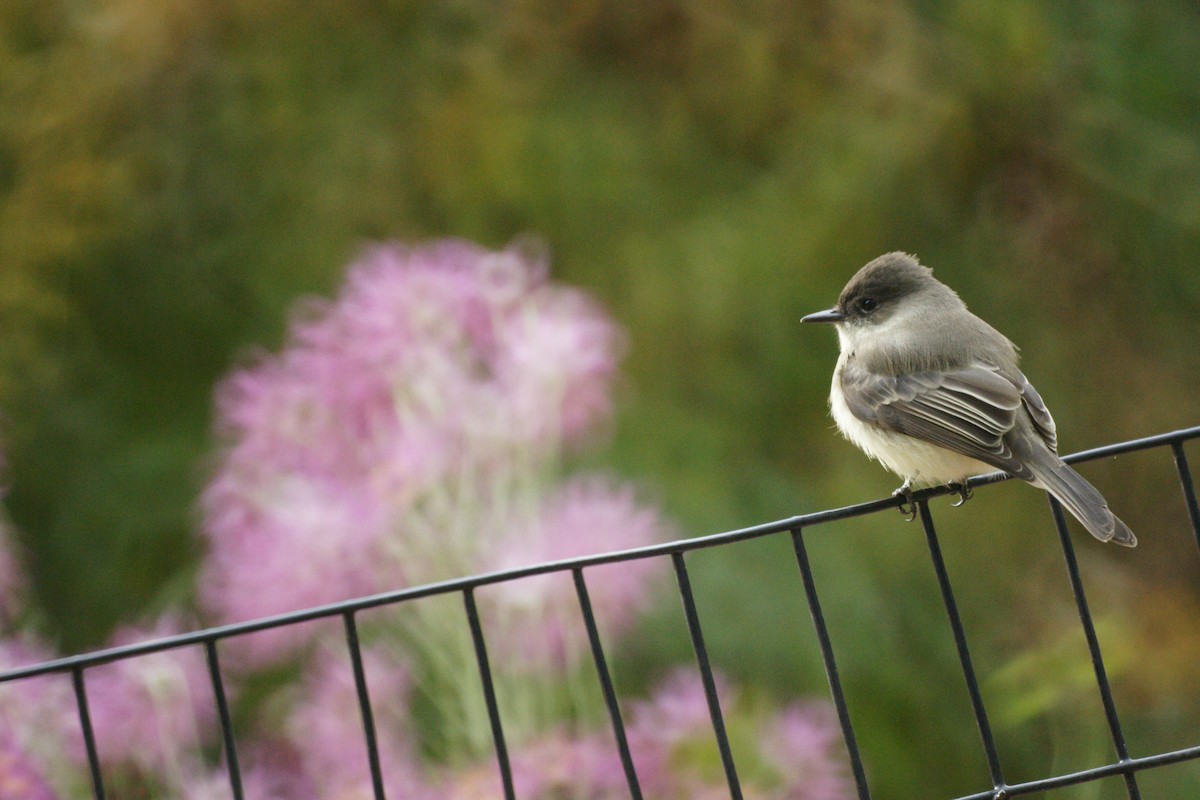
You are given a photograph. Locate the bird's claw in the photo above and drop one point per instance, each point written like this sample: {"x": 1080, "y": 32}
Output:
{"x": 964, "y": 491}
{"x": 908, "y": 506}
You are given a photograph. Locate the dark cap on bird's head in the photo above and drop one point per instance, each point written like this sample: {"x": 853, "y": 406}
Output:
{"x": 886, "y": 278}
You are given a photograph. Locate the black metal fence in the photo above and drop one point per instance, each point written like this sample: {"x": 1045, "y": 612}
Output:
{"x": 1125, "y": 764}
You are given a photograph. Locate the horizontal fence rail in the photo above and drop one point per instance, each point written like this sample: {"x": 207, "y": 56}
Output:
{"x": 1125, "y": 765}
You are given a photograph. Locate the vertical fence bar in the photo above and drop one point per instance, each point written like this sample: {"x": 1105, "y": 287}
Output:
{"x": 1093, "y": 644}
{"x": 224, "y": 719}
{"x": 964, "y": 653}
{"x": 89, "y": 736}
{"x": 706, "y": 675}
{"x": 489, "y": 693}
{"x": 1189, "y": 488}
{"x": 831, "y": 671}
{"x": 364, "y": 703}
{"x": 606, "y": 685}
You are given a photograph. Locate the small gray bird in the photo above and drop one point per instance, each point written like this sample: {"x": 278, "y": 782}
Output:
{"x": 934, "y": 394}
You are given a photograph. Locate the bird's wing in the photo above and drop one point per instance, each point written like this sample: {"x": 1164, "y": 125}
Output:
{"x": 966, "y": 410}
{"x": 1042, "y": 421}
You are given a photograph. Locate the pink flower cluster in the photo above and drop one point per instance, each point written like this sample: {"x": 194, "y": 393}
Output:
{"x": 151, "y": 715}
{"x": 670, "y": 735}
{"x": 404, "y": 427}
{"x": 32, "y": 716}
{"x": 539, "y": 616}
{"x": 801, "y": 755}
{"x": 674, "y": 753}
{"x": 151, "y": 712}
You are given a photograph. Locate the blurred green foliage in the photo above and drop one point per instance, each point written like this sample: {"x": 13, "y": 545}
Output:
{"x": 174, "y": 175}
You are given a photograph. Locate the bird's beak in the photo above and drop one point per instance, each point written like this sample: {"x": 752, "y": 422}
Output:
{"x": 828, "y": 315}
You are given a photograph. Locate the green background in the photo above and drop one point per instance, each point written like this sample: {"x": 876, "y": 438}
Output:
{"x": 174, "y": 175}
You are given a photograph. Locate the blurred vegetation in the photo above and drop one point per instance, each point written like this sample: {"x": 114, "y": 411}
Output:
{"x": 174, "y": 175}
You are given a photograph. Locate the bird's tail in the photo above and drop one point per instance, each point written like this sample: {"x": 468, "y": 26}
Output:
{"x": 1079, "y": 497}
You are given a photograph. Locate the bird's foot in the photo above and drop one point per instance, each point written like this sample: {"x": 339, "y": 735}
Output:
{"x": 908, "y": 506}
{"x": 964, "y": 491}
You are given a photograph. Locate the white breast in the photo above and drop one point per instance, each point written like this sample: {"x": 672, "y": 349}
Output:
{"x": 912, "y": 459}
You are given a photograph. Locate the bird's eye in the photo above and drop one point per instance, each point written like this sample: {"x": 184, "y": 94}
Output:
{"x": 868, "y": 304}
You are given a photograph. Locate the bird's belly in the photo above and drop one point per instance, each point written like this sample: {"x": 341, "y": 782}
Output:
{"x": 912, "y": 459}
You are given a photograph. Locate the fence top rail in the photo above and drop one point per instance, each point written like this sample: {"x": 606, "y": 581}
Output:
{"x": 349, "y": 607}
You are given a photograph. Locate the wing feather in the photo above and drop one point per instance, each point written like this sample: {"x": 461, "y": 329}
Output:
{"x": 968, "y": 410}
{"x": 1042, "y": 421}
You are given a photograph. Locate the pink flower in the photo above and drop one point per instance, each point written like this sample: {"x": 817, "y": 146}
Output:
{"x": 541, "y": 615}
{"x": 672, "y": 741}
{"x": 678, "y": 708}
{"x": 22, "y": 650}
{"x": 325, "y": 729}
{"x": 150, "y": 711}
{"x": 675, "y": 719}
{"x": 306, "y": 544}
{"x": 805, "y": 745}
{"x": 19, "y": 779}
{"x": 584, "y": 767}
{"x": 269, "y": 771}
{"x": 555, "y": 368}
{"x": 38, "y": 714}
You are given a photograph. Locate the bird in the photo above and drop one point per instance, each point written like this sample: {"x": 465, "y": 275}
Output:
{"x": 934, "y": 393}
